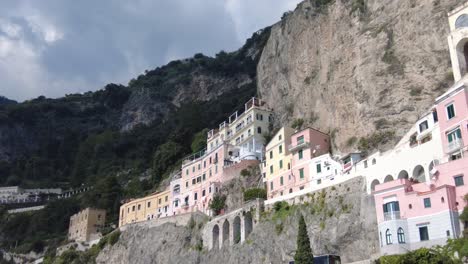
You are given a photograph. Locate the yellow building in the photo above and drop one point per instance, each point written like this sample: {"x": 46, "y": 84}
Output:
{"x": 150, "y": 207}
{"x": 277, "y": 163}
{"x": 86, "y": 225}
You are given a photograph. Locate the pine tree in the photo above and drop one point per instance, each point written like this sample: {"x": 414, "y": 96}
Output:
{"x": 303, "y": 252}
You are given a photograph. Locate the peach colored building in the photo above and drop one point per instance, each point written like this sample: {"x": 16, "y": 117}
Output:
{"x": 86, "y": 224}
{"x": 150, "y": 207}
{"x": 413, "y": 214}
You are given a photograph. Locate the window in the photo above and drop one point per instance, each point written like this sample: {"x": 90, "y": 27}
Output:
{"x": 159, "y": 201}
{"x": 290, "y": 190}
{"x": 459, "y": 180}
{"x": 280, "y": 149}
{"x": 319, "y": 167}
{"x": 259, "y": 130}
{"x": 388, "y": 237}
{"x": 289, "y": 166}
{"x": 203, "y": 193}
{"x": 195, "y": 196}
{"x": 423, "y": 126}
{"x": 271, "y": 186}
{"x": 209, "y": 189}
{"x": 435, "y": 117}
{"x": 139, "y": 207}
{"x": 301, "y": 188}
{"x": 374, "y": 162}
{"x": 199, "y": 166}
{"x": 401, "y": 236}
{"x": 271, "y": 169}
{"x": 450, "y": 111}
{"x": 186, "y": 184}
{"x": 279, "y": 137}
{"x": 427, "y": 202}
{"x": 319, "y": 181}
{"x": 300, "y": 154}
{"x": 193, "y": 169}
{"x": 300, "y": 140}
{"x": 423, "y": 233}
{"x": 281, "y": 181}
{"x": 271, "y": 154}
{"x": 194, "y": 181}
{"x": 281, "y": 193}
{"x": 166, "y": 198}
{"x": 454, "y": 135}
{"x": 281, "y": 164}
{"x": 198, "y": 179}
{"x": 204, "y": 164}
{"x": 204, "y": 176}
{"x": 149, "y": 204}
{"x": 301, "y": 173}
{"x": 186, "y": 172}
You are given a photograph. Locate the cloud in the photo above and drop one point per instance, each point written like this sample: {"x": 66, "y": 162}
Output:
{"x": 57, "y": 47}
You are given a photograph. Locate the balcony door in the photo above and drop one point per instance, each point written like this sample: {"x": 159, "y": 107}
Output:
{"x": 454, "y": 135}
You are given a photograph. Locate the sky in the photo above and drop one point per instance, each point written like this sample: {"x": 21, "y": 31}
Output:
{"x": 58, "y": 47}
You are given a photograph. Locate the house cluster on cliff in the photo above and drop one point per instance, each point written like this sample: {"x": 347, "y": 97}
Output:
{"x": 418, "y": 185}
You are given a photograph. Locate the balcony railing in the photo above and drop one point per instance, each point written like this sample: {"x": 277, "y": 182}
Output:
{"x": 299, "y": 145}
{"x": 454, "y": 145}
{"x": 395, "y": 215}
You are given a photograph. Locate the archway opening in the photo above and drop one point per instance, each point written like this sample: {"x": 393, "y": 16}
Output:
{"x": 237, "y": 230}
{"x": 433, "y": 164}
{"x": 226, "y": 233}
{"x": 248, "y": 224}
{"x": 418, "y": 173}
{"x": 465, "y": 53}
{"x": 374, "y": 183}
{"x": 403, "y": 175}
{"x": 216, "y": 236}
{"x": 388, "y": 178}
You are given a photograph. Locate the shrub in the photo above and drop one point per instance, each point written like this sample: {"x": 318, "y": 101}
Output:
{"x": 113, "y": 237}
{"x": 297, "y": 123}
{"x": 218, "y": 203}
{"x": 253, "y": 193}
{"x": 245, "y": 173}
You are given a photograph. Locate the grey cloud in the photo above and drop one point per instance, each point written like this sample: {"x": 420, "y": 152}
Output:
{"x": 75, "y": 46}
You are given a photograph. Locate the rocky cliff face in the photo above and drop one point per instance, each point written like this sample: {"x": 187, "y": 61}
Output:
{"x": 340, "y": 220}
{"x": 357, "y": 66}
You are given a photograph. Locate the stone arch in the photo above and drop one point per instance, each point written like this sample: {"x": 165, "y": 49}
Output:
{"x": 226, "y": 233}
{"x": 403, "y": 175}
{"x": 388, "y": 178}
{"x": 236, "y": 230}
{"x": 248, "y": 224}
{"x": 215, "y": 236}
{"x": 374, "y": 183}
{"x": 419, "y": 174}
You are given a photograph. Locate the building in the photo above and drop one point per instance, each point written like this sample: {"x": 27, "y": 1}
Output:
{"x": 236, "y": 145}
{"x": 244, "y": 131}
{"x": 297, "y": 162}
{"x": 150, "y": 207}
{"x": 16, "y": 194}
{"x": 424, "y": 210}
{"x": 86, "y": 225}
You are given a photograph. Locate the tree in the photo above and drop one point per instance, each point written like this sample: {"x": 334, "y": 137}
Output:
{"x": 218, "y": 203}
{"x": 303, "y": 252}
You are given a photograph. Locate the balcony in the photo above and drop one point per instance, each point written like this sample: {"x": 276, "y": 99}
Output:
{"x": 298, "y": 146}
{"x": 454, "y": 145}
{"x": 389, "y": 216}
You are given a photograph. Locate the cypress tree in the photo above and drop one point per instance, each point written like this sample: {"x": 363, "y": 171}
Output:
{"x": 303, "y": 252}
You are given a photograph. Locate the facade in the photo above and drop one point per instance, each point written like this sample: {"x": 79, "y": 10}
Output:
{"x": 86, "y": 225}
{"x": 150, "y": 207}
{"x": 296, "y": 163}
{"x": 422, "y": 212}
{"x": 16, "y": 194}
{"x": 243, "y": 131}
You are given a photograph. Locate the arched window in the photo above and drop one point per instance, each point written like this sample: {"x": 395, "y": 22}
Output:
{"x": 388, "y": 237}
{"x": 462, "y": 21}
{"x": 401, "y": 236}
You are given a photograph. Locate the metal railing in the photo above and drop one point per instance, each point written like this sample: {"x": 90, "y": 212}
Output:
{"x": 395, "y": 215}
{"x": 454, "y": 145}
{"x": 298, "y": 145}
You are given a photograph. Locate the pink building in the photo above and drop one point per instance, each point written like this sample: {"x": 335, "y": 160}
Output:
{"x": 289, "y": 162}
{"x": 412, "y": 215}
